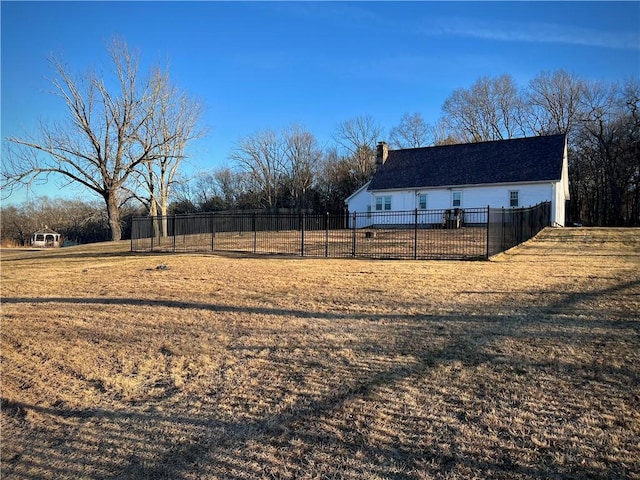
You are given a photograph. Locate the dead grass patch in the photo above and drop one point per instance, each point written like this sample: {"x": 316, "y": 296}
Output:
{"x": 397, "y": 243}
{"x": 525, "y": 367}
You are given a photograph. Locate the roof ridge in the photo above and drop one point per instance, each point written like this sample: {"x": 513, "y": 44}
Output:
{"x": 515, "y": 160}
{"x": 481, "y": 142}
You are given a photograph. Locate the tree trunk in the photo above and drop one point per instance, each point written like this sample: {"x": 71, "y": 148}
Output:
{"x": 164, "y": 202}
{"x": 113, "y": 214}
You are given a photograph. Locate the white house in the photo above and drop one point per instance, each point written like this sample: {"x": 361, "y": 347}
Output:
{"x": 505, "y": 173}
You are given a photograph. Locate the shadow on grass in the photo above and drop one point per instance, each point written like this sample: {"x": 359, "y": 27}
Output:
{"x": 62, "y": 255}
{"x": 311, "y": 437}
{"x": 564, "y": 304}
{"x": 306, "y": 439}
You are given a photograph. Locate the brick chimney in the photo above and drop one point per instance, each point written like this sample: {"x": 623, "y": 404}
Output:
{"x": 382, "y": 152}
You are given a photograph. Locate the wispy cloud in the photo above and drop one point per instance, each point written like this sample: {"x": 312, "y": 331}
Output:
{"x": 533, "y": 32}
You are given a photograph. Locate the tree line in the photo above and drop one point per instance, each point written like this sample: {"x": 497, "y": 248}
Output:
{"x": 601, "y": 121}
{"x": 78, "y": 221}
{"x": 127, "y": 133}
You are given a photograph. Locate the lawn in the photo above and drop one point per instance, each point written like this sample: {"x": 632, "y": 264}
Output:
{"x": 378, "y": 243}
{"x": 189, "y": 366}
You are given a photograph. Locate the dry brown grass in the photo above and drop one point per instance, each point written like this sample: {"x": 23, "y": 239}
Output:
{"x": 527, "y": 366}
{"x": 397, "y": 243}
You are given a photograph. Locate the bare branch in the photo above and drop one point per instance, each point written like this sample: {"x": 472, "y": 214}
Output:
{"x": 110, "y": 134}
{"x": 412, "y": 132}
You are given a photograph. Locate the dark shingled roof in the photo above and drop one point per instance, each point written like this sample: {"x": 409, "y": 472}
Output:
{"x": 530, "y": 159}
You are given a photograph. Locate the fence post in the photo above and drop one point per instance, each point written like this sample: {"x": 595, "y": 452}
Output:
{"x": 353, "y": 234}
{"x": 415, "y": 235}
{"x": 326, "y": 234}
{"x": 255, "y": 233}
{"x": 213, "y": 232}
{"x": 302, "y": 234}
{"x": 174, "y": 233}
{"x": 488, "y": 227}
{"x": 503, "y": 242}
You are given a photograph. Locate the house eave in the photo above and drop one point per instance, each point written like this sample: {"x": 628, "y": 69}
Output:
{"x": 474, "y": 185}
{"x": 362, "y": 188}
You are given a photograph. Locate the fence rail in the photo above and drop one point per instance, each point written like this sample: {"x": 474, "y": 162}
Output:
{"x": 472, "y": 233}
{"x": 508, "y": 227}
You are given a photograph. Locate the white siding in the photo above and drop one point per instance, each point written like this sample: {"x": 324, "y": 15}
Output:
{"x": 472, "y": 196}
{"x": 557, "y": 210}
{"x": 561, "y": 194}
{"x": 495, "y": 196}
{"x": 360, "y": 200}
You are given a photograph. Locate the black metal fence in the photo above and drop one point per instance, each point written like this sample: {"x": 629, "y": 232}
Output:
{"x": 508, "y": 227}
{"x": 472, "y": 233}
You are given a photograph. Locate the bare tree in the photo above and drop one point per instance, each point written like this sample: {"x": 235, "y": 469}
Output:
{"x": 17, "y": 225}
{"x": 607, "y": 155}
{"x": 218, "y": 189}
{"x": 261, "y": 156}
{"x": 171, "y": 127}
{"x": 442, "y": 135}
{"x": 554, "y": 102}
{"x": 491, "y": 109}
{"x": 301, "y": 158}
{"x": 227, "y": 185}
{"x": 412, "y": 132}
{"x": 110, "y": 133}
{"x": 358, "y": 137}
{"x": 335, "y": 181}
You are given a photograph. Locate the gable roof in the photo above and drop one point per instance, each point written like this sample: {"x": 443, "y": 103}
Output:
{"x": 363, "y": 187}
{"x": 531, "y": 159}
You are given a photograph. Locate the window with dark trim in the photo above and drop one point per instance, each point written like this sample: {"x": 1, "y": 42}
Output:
{"x": 383, "y": 203}
{"x": 456, "y": 199}
{"x": 513, "y": 199}
{"x": 422, "y": 201}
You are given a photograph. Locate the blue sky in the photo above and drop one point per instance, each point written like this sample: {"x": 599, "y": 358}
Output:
{"x": 268, "y": 65}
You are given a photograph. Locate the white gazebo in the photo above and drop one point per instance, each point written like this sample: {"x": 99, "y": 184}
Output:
{"x": 45, "y": 238}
